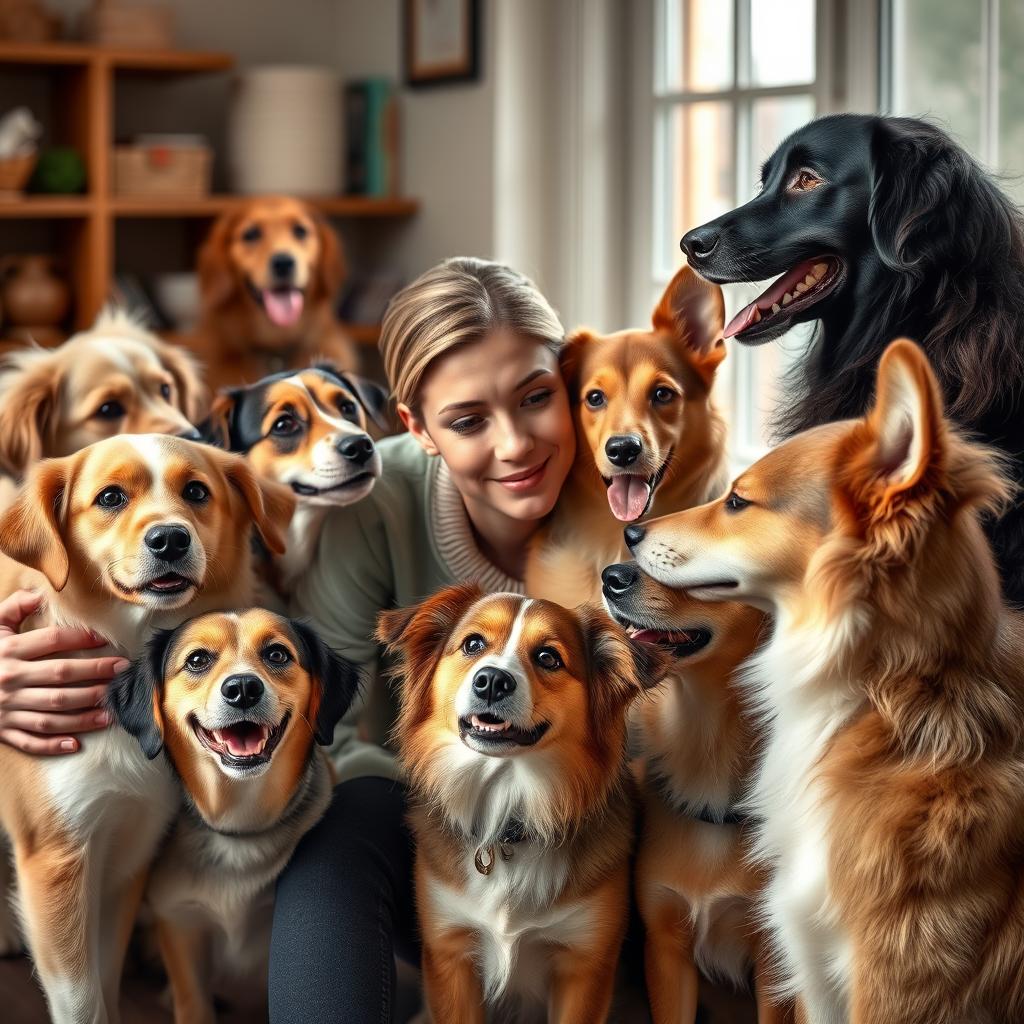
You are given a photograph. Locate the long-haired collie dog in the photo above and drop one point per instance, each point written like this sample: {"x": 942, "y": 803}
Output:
{"x": 881, "y": 227}
{"x": 309, "y": 431}
{"x": 269, "y": 273}
{"x": 115, "y": 378}
{"x": 892, "y": 694}
{"x": 132, "y": 532}
{"x": 512, "y": 733}
{"x": 696, "y": 747}
{"x": 238, "y": 701}
{"x": 649, "y": 440}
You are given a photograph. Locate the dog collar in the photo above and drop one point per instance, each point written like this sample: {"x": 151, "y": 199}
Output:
{"x": 705, "y": 812}
{"x": 514, "y": 832}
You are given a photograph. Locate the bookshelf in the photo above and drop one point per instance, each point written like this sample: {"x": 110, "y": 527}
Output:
{"x": 83, "y": 79}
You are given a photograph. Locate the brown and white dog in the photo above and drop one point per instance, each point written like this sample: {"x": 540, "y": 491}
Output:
{"x": 307, "y": 430}
{"x": 697, "y": 746}
{"x": 130, "y": 533}
{"x": 648, "y": 437}
{"x": 512, "y": 732}
{"x": 891, "y": 694}
{"x": 115, "y": 378}
{"x": 269, "y": 272}
{"x": 238, "y": 702}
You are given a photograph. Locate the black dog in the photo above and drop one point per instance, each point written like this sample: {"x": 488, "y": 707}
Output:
{"x": 887, "y": 228}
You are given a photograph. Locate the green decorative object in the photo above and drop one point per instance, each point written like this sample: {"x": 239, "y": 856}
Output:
{"x": 60, "y": 171}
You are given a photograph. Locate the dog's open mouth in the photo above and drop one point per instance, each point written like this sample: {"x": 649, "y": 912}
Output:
{"x": 681, "y": 643}
{"x": 242, "y": 744}
{"x": 771, "y": 313}
{"x": 351, "y": 484}
{"x": 490, "y": 730}
{"x": 630, "y": 495}
{"x": 283, "y": 305}
{"x": 169, "y": 583}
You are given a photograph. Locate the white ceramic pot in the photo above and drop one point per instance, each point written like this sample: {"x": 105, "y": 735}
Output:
{"x": 284, "y": 132}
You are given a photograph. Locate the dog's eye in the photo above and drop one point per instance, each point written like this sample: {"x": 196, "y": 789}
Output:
{"x": 662, "y": 395}
{"x": 285, "y": 425}
{"x": 276, "y": 655}
{"x": 473, "y": 644}
{"x": 595, "y": 398}
{"x": 198, "y": 660}
{"x": 348, "y": 408}
{"x": 547, "y": 657}
{"x": 195, "y": 492}
{"x": 165, "y": 391}
{"x": 300, "y": 231}
{"x": 252, "y": 234}
{"x": 804, "y": 181}
{"x": 110, "y": 411}
{"x": 734, "y": 503}
{"x": 111, "y": 497}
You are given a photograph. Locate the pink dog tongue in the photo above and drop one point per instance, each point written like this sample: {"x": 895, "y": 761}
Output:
{"x": 243, "y": 739}
{"x": 627, "y": 496}
{"x": 284, "y": 307}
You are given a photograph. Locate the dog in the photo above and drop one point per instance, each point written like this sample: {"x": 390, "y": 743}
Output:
{"x": 268, "y": 275}
{"x": 883, "y": 227}
{"x": 697, "y": 746}
{"x": 239, "y": 701}
{"x": 132, "y": 532}
{"x": 891, "y": 694}
{"x": 649, "y": 439}
{"x": 512, "y": 733}
{"x": 307, "y": 430}
{"x": 115, "y": 378}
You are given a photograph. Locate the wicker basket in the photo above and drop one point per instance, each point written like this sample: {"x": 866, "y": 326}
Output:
{"x": 179, "y": 171}
{"x": 14, "y": 174}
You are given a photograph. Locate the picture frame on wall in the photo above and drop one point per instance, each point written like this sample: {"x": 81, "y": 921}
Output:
{"x": 441, "y": 41}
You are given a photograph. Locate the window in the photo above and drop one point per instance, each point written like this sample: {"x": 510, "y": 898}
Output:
{"x": 732, "y": 78}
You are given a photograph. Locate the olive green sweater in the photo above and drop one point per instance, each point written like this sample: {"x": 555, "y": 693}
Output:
{"x": 410, "y": 537}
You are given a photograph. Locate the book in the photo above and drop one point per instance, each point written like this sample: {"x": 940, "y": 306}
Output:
{"x": 371, "y": 137}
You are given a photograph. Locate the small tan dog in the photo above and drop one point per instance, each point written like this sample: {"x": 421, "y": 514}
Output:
{"x": 269, "y": 273}
{"x": 130, "y": 533}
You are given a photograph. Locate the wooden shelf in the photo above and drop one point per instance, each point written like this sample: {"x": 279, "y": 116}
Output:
{"x": 57, "y": 54}
{"x": 45, "y": 207}
{"x": 364, "y": 334}
{"x": 215, "y": 205}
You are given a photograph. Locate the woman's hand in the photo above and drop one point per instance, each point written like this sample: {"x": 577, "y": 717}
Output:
{"x": 44, "y": 700}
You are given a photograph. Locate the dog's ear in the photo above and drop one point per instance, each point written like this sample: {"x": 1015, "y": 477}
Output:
{"x": 692, "y": 310}
{"x": 372, "y": 397}
{"x": 330, "y": 267}
{"x": 217, "y": 278}
{"x": 134, "y": 694}
{"x": 336, "y": 680}
{"x": 570, "y": 360}
{"x": 270, "y": 504}
{"x": 31, "y": 528}
{"x": 216, "y": 428}
{"x": 29, "y": 390}
{"x": 191, "y": 392}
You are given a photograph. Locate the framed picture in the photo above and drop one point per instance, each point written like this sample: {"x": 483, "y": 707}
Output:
{"x": 441, "y": 41}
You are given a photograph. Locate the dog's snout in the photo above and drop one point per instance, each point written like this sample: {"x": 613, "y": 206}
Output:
{"x": 633, "y": 535}
{"x": 618, "y": 579}
{"x": 493, "y": 684}
{"x": 623, "y": 449}
{"x": 356, "y": 449}
{"x": 701, "y": 242}
{"x": 191, "y": 435}
{"x": 168, "y": 543}
{"x": 242, "y": 691}
{"x": 282, "y": 265}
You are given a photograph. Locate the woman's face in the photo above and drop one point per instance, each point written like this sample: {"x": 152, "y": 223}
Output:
{"x": 497, "y": 412}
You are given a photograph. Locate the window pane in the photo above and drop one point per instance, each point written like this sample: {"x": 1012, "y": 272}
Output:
{"x": 1011, "y": 98}
{"x": 937, "y": 56}
{"x": 697, "y": 164}
{"x": 775, "y": 117}
{"x": 781, "y": 42}
{"x": 697, "y": 49}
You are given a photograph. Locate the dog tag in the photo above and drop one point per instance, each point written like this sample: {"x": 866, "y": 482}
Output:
{"x": 506, "y": 851}
{"x": 484, "y": 866}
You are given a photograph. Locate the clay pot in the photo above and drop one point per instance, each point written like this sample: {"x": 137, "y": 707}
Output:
{"x": 32, "y": 292}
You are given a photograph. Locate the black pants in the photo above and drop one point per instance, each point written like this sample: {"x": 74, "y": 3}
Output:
{"x": 344, "y": 908}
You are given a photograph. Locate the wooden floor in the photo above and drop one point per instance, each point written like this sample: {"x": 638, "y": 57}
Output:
{"x": 21, "y": 1002}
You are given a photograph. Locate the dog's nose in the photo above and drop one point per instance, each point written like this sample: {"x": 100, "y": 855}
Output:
{"x": 191, "y": 434}
{"x": 493, "y": 684}
{"x": 356, "y": 449}
{"x": 242, "y": 691}
{"x": 617, "y": 579}
{"x": 282, "y": 265}
{"x": 701, "y": 242}
{"x": 168, "y": 543}
{"x": 633, "y": 535}
{"x": 623, "y": 449}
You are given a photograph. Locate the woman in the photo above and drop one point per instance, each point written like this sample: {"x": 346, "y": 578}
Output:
{"x": 471, "y": 354}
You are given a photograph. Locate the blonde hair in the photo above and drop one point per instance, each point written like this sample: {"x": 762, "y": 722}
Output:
{"x": 456, "y": 303}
